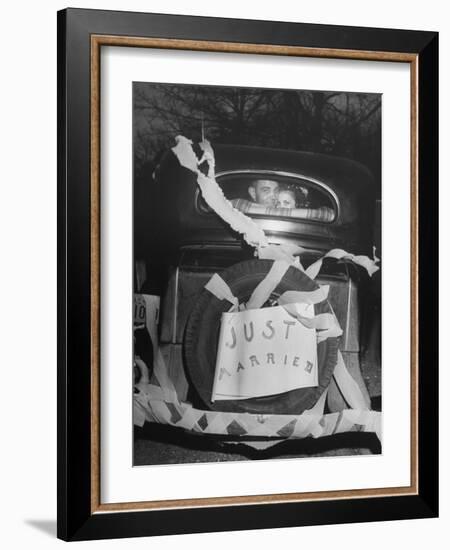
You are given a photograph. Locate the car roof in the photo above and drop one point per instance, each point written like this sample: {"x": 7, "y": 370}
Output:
{"x": 337, "y": 172}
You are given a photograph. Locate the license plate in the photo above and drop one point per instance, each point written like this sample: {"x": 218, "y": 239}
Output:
{"x": 139, "y": 310}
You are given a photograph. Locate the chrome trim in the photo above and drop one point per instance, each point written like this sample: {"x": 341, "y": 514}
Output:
{"x": 175, "y": 307}
{"x": 347, "y": 317}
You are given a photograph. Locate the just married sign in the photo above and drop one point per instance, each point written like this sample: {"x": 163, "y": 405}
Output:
{"x": 264, "y": 352}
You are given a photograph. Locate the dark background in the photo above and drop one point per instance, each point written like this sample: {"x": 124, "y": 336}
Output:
{"x": 344, "y": 124}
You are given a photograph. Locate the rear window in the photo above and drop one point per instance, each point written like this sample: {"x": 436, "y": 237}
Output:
{"x": 263, "y": 194}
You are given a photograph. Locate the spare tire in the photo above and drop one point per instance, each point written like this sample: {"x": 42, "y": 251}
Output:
{"x": 202, "y": 336}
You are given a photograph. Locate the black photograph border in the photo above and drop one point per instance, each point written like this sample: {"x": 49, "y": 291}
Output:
{"x": 81, "y": 33}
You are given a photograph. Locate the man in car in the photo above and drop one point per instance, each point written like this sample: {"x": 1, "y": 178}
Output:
{"x": 263, "y": 194}
{"x": 265, "y": 200}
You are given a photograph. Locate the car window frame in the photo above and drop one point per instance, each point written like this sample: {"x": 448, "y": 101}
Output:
{"x": 324, "y": 188}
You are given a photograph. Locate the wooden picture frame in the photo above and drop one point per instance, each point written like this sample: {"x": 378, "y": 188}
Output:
{"x": 81, "y": 35}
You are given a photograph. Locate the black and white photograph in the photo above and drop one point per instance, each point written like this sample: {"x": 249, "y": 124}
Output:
{"x": 224, "y": 307}
{"x": 257, "y": 273}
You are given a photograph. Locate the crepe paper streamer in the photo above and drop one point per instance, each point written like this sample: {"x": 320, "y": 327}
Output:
{"x": 216, "y": 200}
{"x": 304, "y": 297}
{"x": 238, "y": 221}
{"x": 333, "y": 332}
{"x": 213, "y": 194}
{"x": 208, "y": 156}
{"x": 159, "y": 403}
{"x": 349, "y": 388}
{"x": 142, "y": 369}
{"x": 140, "y": 413}
{"x": 270, "y": 282}
{"x": 243, "y": 425}
{"x": 292, "y": 250}
{"x": 319, "y": 407}
{"x": 374, "y": 254}
{"x": 185, "y": 154}
{"x": 161, "y": 374}
{"x": 288, "y": 253}
{"x": 326, "y": 324}
{"x": 323, "y": 321}
{"x": 373, "y": 424}
{"x": 338, "y": 254}
{"x": 217, "y": 286}
{"x": 368, "y": 264}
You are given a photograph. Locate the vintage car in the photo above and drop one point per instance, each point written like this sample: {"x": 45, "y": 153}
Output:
{"x": 186, "y": 243}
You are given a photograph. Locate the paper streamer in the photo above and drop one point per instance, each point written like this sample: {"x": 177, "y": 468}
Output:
{"x": 213, "y": 194}
{"x": 311, "y": 423}
{"x": 333, "y": 332}
{"x": 304, "y": 297}
{"x": 287, "y": 252}
{"x": 326, "y": 324}
{"x": 338, "y": 254}
{"x": 217, "y": 286}
{"x": 270, "y": 282}
{"x": 349, "y": 388}
{"x": 159, "y": 403}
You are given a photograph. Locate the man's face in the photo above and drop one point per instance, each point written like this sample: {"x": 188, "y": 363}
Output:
{"x": 264, "y": 192}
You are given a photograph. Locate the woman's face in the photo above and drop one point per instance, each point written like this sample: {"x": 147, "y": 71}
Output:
{"x": 286, "y": 199}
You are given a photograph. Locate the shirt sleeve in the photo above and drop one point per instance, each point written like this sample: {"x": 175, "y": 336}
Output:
{"x": 243, "y": 205}
{"x": 322, "y": 214}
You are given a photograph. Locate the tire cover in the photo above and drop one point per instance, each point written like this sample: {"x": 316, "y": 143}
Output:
{"x": 202, "y": 335}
